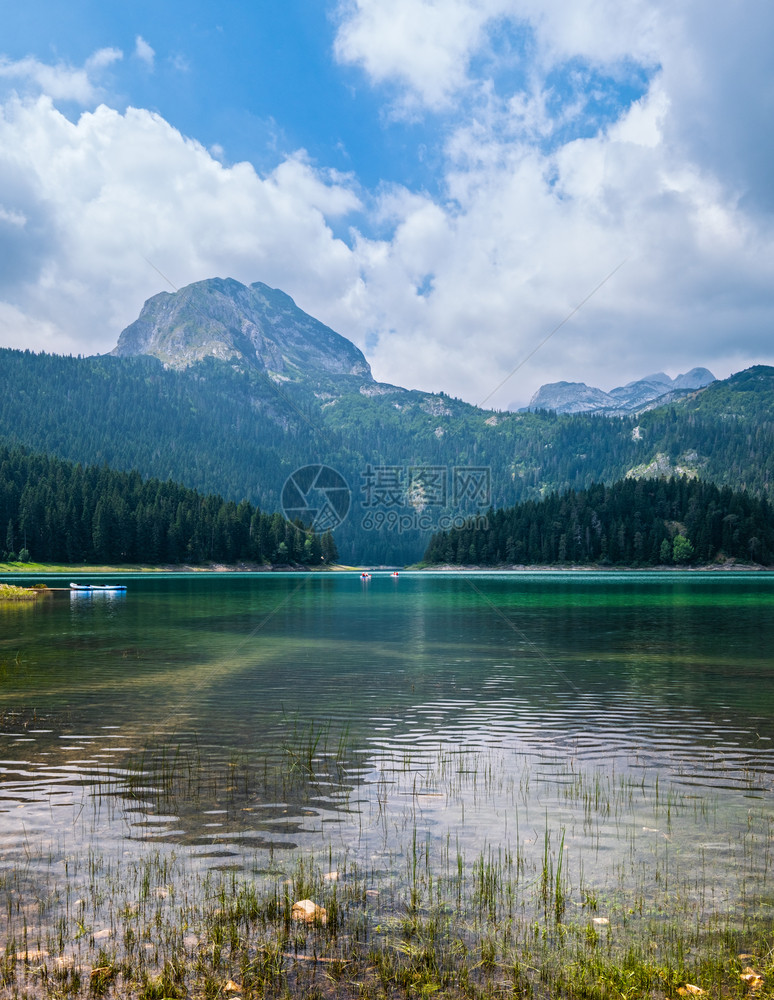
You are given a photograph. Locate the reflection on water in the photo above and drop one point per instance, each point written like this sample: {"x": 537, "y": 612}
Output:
{"x": 239, "y": 716}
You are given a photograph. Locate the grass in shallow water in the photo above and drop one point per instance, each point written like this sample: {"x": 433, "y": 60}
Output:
{"x": 422, "y": 919}
{"x": 9, "y": 592}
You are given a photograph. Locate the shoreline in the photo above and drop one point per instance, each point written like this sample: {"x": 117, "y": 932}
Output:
{"x": 58, "y": 569}
{"x": 35, "y": 569}
{"x": 727, "y": 567}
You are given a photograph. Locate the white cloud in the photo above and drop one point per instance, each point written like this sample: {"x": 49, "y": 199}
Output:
{"x": 180, "y": 64}
{"x": 532, "y": 231}
{"x": 530, "y": 234}
{"x": 13, "y": 218}
{"x": 60, "y": 82}
{"x": 424, "y": 45}
{"x": 103, "y": 57}
{"x": 19, "y": 329}
{"x": 144, "y": 52}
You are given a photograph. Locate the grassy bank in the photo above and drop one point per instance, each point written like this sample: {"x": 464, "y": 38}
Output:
{"x": 33, "y": 568}
{"x": 79, "y": 570}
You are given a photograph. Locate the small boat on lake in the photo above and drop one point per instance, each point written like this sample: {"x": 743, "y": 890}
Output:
{"x": 97, "y": 587}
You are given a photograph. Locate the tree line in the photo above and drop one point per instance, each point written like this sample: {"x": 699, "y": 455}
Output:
{"x": 57, "y": 511}
{"x": 633, "y": 522}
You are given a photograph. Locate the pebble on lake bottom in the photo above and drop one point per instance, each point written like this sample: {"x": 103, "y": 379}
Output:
{"x": 307, "y": 911}
{"x": 752, "y": 979}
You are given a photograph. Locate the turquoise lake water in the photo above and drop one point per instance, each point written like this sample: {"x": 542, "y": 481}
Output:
{"x": 238, "y": 719}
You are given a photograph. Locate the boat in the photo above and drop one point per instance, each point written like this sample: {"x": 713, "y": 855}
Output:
{"x": 80, "y": 586}
{"x": 97, "y": 587}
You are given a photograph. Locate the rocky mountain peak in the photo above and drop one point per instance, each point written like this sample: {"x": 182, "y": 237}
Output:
{"x": 254, "y": 325}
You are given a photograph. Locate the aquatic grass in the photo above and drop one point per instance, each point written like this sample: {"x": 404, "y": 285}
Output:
{"x": 11, "y": 593}
{"x": 467, "y": 947}
{"x": 415, "y": 913}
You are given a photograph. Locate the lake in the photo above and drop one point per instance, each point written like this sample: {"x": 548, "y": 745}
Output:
{"x": 600, "y": 743}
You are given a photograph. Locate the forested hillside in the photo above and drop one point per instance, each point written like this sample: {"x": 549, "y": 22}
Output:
{"x": 631, "y": 523}
{"x": 54, "y": 511}
{"x": 222, "y": 429}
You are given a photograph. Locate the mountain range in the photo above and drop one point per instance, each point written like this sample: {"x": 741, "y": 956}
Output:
{"x": 232, "y": 389}
{"x": 634, "y": 397}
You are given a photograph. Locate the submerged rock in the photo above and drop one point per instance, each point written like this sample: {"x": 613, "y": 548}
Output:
{"x": 308, "y": 912}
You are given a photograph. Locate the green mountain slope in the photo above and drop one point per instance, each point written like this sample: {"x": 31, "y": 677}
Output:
{"x": 240, "y": 424}
{"x": 748, "y": 395}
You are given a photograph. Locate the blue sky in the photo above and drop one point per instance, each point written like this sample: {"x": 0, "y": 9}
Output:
{"x": 442, "y": 181}
{"x": 258, "y": 80}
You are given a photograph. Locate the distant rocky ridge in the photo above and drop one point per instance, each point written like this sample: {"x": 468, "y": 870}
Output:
{"x": 642, "y": 394}
{"x": 253, "y": 326}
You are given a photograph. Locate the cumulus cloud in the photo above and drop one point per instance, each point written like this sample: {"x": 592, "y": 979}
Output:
{"x": 423, "y": 44}
{"x": 427, "y": 48}
{"x": 530, "y": 235}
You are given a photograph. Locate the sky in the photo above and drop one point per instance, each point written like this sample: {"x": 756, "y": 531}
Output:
{"x": 441, "y": 181}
